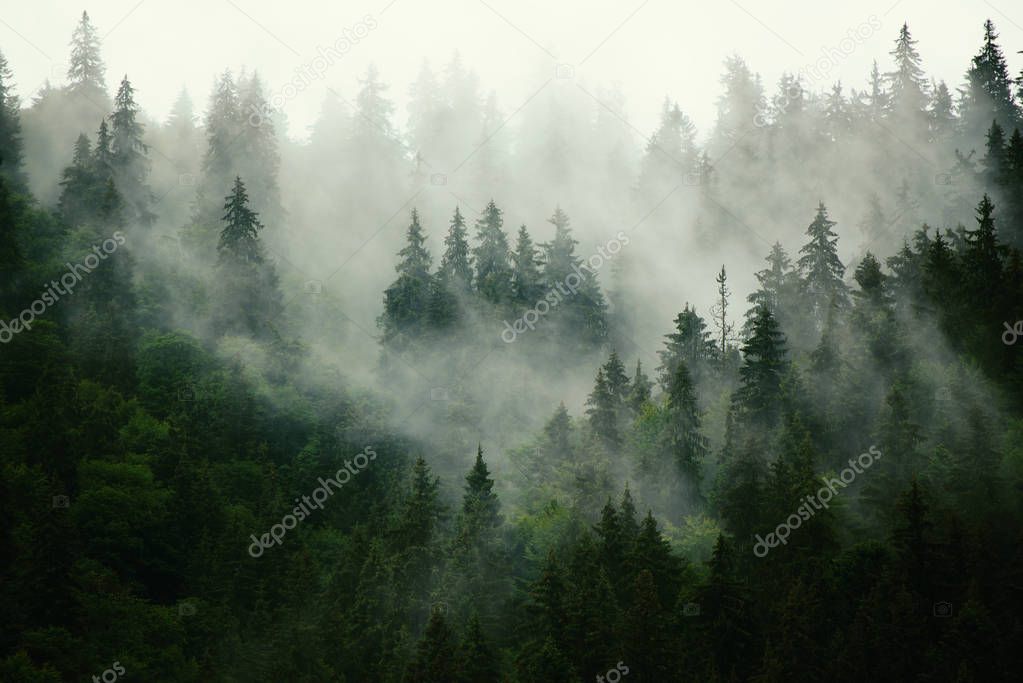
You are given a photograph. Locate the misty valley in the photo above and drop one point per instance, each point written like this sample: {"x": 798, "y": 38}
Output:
{"x": 457, "y": 386}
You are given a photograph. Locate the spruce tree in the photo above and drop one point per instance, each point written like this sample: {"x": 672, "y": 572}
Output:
{"x": 778, "y": 287}
{"x": 435, "y": 658}
{"x": 477, "y": 661}
{"x": 584, "y": 312}
{"x": 821, "y": 269}
{"x": 906, "y": 84}
{"x": 239, "y": 238}
{"x": 10, "y": 130}
{"x": 128, "y": 159}
{"x": 763, "y": 366}
{"x": 526, "y": 288}
{"x": 455, "y": 268}
{"x": 602, "y": 409}
{"x": 683, "y": 438}
{"x": 480, "y": 506}
{"x": 86, "y": 73}
{"x": 493, "y": 273}
{"x": 407, "y": 300}
{"x": 640, "y": 390}
{"x": 690, "y": 343}
{"x": 79, "y": 185}
{"x": 988, "y": 93}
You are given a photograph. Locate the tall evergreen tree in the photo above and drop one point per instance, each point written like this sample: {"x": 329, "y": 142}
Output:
{"x": 128, "y": 156}
{"x": 455, "y": 266}
{"x": 690, "y": 343}
{"x": 988, "y": 92}
{"x": 86, "y": 73}
{"x": 526, "y": 286}
{"x": 10, "y": 130}
{"x": 684, "y": 440}
{"x": 493, "y": 273}
{"x": 406, "y": 301}
{"x": 821, "y": 269}
{"x": 906, "y": 84}
{"x": 763, "y": 366}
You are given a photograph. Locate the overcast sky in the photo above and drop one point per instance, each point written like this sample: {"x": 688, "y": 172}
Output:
{"x": 652, "y": 48}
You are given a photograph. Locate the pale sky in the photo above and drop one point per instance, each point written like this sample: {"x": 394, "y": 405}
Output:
{"x": 651, "y": 48}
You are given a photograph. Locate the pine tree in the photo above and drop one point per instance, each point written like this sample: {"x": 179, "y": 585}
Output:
{"x": 435, "y": 659}
{"x": 640, "y": 391}
{"x": 778, "y": 287}
{"x": 558, "y": 435}
{"x": 585, "y": 311}
{"x": 455, "y": 268}
{"x": 988, "y": 92}
{"x": 526, "y": 286}
{"x": 720, "y": 313}
{"x": 763, "y": 365}
{"x": 10, "y": 131}
{"x": 493, "y": 273}
{"x": 254, "y": 151}
{"x": 872, "y": 282}
{"x": 477, "y": 660}
{"x": 878, "y": 99}
{"x": 941, "y": 113}
{"x": 248, "y": 299}
{"x": 821, "y": 269}
{"x": 690, "y": 343}
{"x": 603, "y": 412}
{"x": 86, "y": 73}
{"x": 79, "y": 185}
{"x": 422, "y": 509}
{"x": 480, "y": 506}
{"x": 407, "y": 300}
{"x": 907, "y": 87}
{"x": 684, "y": 441}
{"x": 239, "y": 239}
{"x": 128, "y": 156}
{"x": 617, "y": 380}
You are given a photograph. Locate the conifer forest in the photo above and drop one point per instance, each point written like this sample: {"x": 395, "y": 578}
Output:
{"x": 465, "y": 378}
